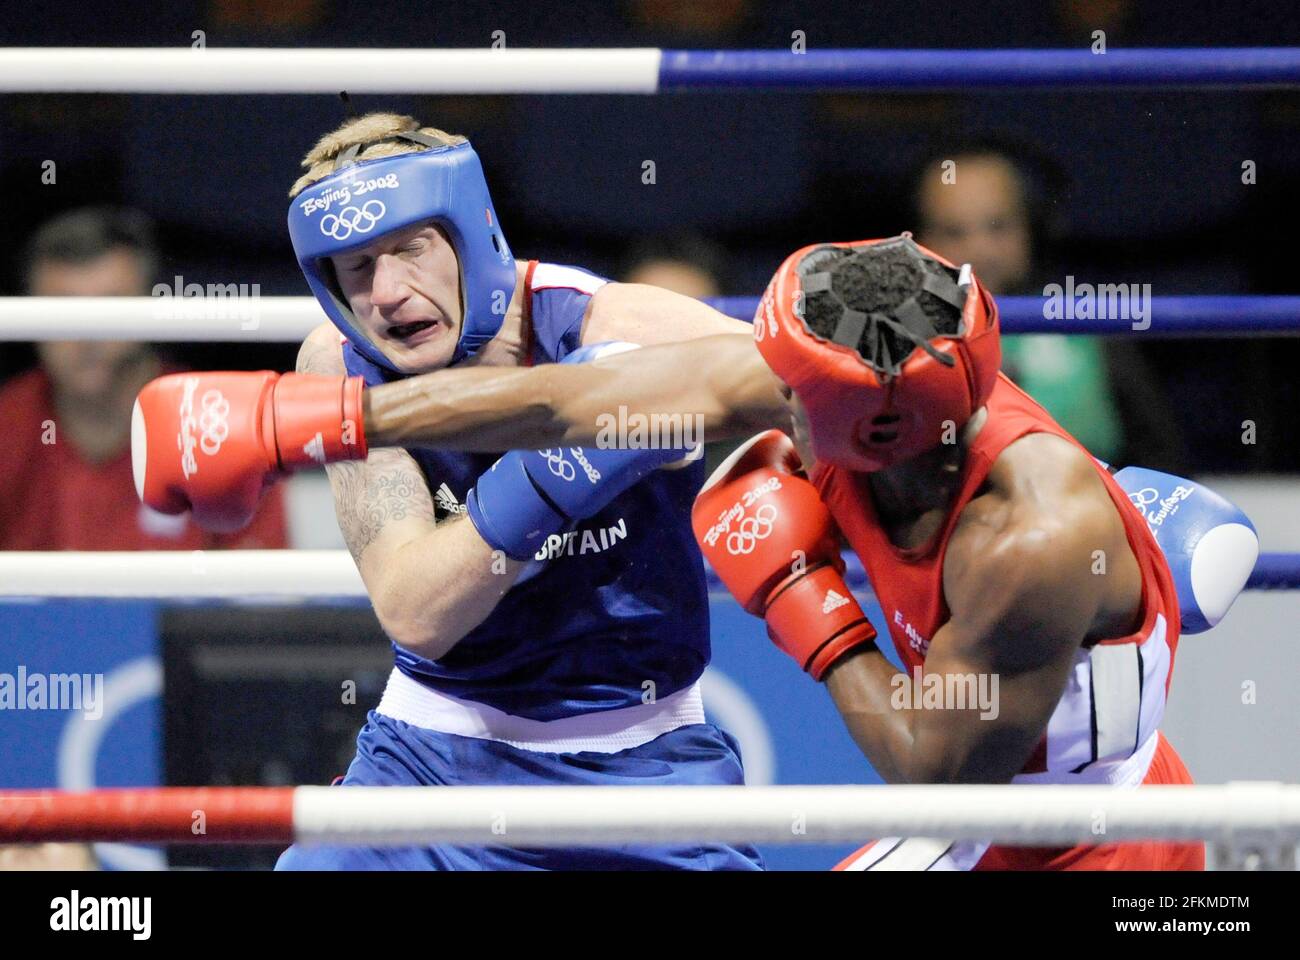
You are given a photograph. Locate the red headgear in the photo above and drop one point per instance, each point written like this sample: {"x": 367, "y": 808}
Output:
{"x": 866, "y": 416}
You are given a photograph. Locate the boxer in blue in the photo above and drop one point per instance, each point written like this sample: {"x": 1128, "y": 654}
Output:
{"x": 548, "y": 609}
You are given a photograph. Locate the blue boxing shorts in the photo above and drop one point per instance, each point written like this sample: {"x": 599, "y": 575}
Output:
{"x": 392, "y": 752}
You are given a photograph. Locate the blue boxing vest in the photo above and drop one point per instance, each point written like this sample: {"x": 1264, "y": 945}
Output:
{"x": 605, "y": 615}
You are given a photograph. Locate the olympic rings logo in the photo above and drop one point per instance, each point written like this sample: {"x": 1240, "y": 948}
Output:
{"x": 214, "y": 427}
{"x": 558, "y": 465}
{"x": 1149, "y": 497}
{"x": 751, "y": 530}
{"x": 352, "y": 220}
{"x": 1144, "y": 498}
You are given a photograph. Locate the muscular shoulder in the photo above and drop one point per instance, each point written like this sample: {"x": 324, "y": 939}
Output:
{"x": 644, "y": 314}
{"x": 1024, "y": 560}
{"x": 321, "y": 352}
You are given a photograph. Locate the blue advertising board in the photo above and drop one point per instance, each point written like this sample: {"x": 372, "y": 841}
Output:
{"x": 787, "y": 727}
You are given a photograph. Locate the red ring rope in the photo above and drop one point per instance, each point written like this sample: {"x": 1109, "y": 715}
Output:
{"x": 154, "y": 815}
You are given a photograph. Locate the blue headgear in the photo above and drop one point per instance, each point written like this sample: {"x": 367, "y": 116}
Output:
{"x": 362, "y": 201}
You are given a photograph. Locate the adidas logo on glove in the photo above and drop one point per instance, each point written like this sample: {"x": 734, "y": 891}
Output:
{"x": 315, "y": 448}
{"x": 833, "y": 601}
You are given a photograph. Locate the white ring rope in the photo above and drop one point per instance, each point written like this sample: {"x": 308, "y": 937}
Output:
{"x": 238, "y": 312}
{"x": 200, "y": 69}
{"x": 234, "y": 317}
{"x": 161, "y": 574}
{"x": 1240, "y": 816}
{"x": 1266, "y": 814}
{"x": 171, "y": 70}
{"x": 256, "y": 574}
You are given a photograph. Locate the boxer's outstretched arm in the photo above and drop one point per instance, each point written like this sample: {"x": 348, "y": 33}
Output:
{"x": 721, "y": 380}
{"x": 430, "y": 583}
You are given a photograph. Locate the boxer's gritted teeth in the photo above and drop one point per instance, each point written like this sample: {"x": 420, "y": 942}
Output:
{"x": 402, "y": 331}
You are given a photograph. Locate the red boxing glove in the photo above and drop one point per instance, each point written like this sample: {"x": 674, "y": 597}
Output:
{"x": 212, "y": 442}
{"x": 772, "y": 542}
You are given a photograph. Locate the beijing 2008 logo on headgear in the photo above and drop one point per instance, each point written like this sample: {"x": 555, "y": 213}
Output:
{"x": 352, "y": 220}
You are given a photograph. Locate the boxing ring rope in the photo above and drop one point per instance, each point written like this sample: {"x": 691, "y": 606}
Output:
{"x": 646, "y": 70}
{"x": 306, "y": 574}
{"x": 240, "y": 317}
{"x": 1249, "y": 814}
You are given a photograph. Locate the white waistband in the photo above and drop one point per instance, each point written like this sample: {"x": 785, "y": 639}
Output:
{"x": 608, "y": 731}
{"x": 1129, "y": 772}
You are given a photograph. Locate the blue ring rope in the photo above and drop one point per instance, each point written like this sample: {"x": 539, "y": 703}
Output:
{"x": 1167, "y": 316}
{"x": 902, "y": 70}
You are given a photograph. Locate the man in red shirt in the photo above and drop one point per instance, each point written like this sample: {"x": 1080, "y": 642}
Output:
{"x": 65, "y": 464}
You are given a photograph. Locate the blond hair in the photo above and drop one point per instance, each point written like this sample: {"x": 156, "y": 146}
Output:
{"x": 372, "y": 133}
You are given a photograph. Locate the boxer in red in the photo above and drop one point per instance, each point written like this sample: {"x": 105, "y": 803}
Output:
{"x": 999, "y": 550}
{"x": 1007, "y": 560}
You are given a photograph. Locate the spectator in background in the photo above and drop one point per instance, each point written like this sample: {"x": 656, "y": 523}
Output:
{"x": 981, "y": 204}
{"x": 688, "y": 264}
{"x": 683, "y": 263}
{"x": 674, "y": 21}
{"x": 65, "y": 466}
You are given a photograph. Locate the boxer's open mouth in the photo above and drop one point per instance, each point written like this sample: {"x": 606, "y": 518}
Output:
{"x": 404, "y": 331}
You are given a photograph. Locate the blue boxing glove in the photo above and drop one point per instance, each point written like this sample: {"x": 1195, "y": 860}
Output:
{"x": 528, "y": 495}
{"x": 1211, "y": 546}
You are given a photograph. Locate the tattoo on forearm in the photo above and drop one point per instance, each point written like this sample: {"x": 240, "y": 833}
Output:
{"x": 387, "y": 487}
{"x": 368, "y": 496}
